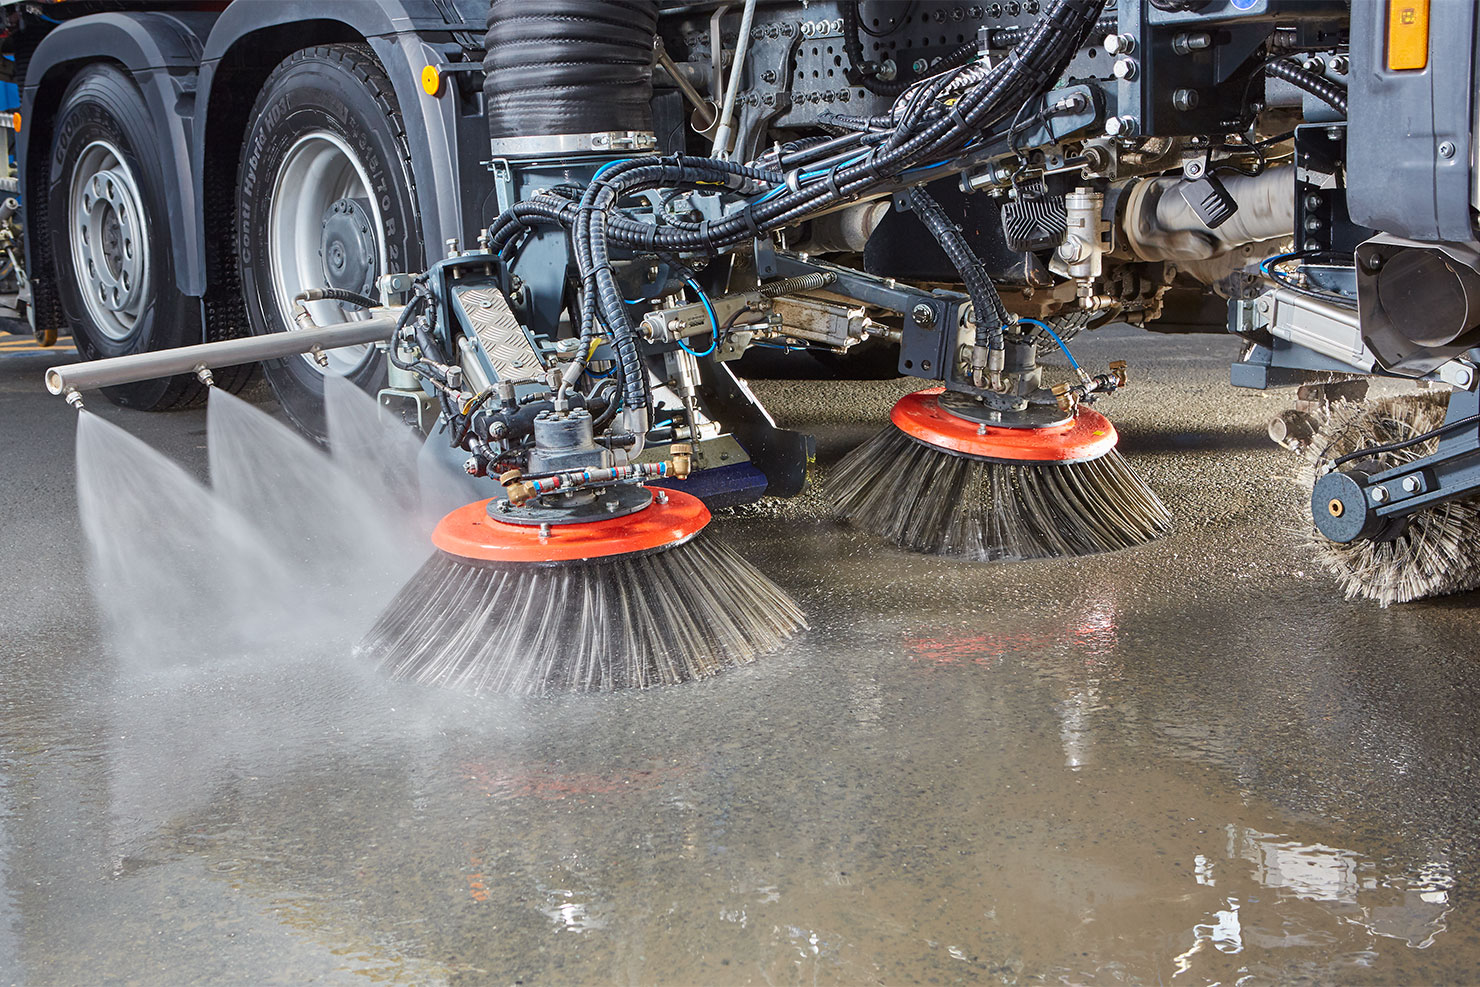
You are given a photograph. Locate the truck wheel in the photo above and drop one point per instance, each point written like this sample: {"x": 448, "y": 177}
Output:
{"x": 324, "y": 199}
{"x": 110, "y": 234}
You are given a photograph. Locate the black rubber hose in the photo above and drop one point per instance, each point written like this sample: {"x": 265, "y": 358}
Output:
{"x": 1006, "y": 37}
{"x": 991, "y": 316}
{"x": 1318, "y": 86}
{"x": 1023, "y": 74}
{"x": 340, "y": 295}
{"x": 569, "y": 66}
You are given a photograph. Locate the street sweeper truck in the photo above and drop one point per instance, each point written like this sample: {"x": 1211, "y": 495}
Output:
{"x": 550, "y": 233}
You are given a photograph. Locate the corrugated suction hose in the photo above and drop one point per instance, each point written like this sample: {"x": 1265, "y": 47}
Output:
{"x": 569, "y": 66}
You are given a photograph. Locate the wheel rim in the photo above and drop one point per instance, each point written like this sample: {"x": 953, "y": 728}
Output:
{"x": 324, "y": 230}
{"x": 109, "y": 233}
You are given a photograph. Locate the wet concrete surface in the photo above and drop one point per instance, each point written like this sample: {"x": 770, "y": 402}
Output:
{"x": 1188, "y": 763}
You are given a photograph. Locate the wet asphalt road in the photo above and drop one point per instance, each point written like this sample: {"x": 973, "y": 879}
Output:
{"x": 1189, "y": 763}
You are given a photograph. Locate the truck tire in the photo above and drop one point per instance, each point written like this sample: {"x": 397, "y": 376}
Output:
{"x": 324, "y": 199}
{"x": 110, "y": 234}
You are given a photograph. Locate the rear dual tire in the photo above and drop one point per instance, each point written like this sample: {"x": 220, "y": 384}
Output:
{"x": 107, "y": 206}
{"x": 324, "y": 199}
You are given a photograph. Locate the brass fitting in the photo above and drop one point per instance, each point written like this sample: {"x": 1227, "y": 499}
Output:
{"x": 1117, "y": 369}
{"x": 1064, "y": 393}
{"x": 683, "y": 462}
{"x": 520, "y": 491}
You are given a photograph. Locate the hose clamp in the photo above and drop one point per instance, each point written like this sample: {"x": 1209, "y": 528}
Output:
{"x": 550, "y": 145}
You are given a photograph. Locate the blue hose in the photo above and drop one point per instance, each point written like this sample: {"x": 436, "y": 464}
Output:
{"x": 713, "y": 322}
{"x": 1055, "y": 336}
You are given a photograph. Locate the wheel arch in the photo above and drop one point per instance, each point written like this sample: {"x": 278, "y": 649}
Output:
{"x": 250, "y": 40}
{"x": 161, "y": 53}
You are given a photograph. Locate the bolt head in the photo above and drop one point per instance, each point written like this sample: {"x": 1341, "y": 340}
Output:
{"x": 1446, "y": 149}
{"x": 1379, "y": 495}
{"x": 1411, "y": 484}
{"x": 1125, "y": 69}
{"x": 1121, "y": 127}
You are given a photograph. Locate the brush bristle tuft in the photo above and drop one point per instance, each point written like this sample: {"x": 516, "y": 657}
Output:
{"x": 687, "y": 612}
{"x": 928, "y": 500}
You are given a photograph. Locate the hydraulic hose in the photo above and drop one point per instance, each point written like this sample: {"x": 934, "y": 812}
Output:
{"x": 991, "y": 316}
{"x": 336, "y": 295}
{"x": 1023, "y": 74}
{"x": 1318, "y": 86}
{"x": 1006, "y": 37}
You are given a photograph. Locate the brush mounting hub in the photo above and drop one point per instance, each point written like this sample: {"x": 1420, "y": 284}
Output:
{"x": 967, "y": 407}
{"x": 472, "y": 533}
{"x": 579, "y": 507}
{"x": 1085, "y": 436}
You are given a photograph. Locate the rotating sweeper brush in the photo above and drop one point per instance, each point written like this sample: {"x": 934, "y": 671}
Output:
{"x": 580, "y": 577}
{"x": 990, "y": 477}
{"x": 624, "y": 591}
{"x": 941, "y": 481}
{"x": 1430, "y": 552}
{"x": 995, "y": 465}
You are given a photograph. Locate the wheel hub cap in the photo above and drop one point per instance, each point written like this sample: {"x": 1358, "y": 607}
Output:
{"x": 347, "y": 244}
{"x": 109, "y": 236}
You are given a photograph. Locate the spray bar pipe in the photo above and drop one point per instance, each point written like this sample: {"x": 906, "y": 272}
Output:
{"x": 117, "y": 370}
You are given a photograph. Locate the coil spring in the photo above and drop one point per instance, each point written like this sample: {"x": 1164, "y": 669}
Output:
{"x": 802, "y": 282}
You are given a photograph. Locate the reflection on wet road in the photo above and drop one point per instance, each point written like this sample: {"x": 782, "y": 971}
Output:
{"x": 1188, "y": 764}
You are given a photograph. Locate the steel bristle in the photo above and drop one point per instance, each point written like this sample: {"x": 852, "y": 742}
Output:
{"x": 1439, "y": 552}
{"x": 928, "y": 500}
{"x": 662, "y": 618}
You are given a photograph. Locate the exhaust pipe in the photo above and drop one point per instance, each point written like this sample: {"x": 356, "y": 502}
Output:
{"x": 200, "y": 359}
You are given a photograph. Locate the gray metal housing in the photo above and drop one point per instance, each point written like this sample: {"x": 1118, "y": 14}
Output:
{"x": 1409, "y": 158}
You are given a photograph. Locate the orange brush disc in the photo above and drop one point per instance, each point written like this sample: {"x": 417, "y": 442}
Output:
{"x": 470, "y": 533}
{"x": 1088, "y": 435}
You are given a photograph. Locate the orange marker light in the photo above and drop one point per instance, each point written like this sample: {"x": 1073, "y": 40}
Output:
{"x": 431, "y": 80}
{"x": 15, "y": 121}
{"x": 1407, "y": 35}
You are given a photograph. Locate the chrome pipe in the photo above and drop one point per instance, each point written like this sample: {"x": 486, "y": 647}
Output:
{"x": 73, "y": 377}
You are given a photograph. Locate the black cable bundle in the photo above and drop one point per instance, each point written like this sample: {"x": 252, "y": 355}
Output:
{"x": 855, "y": 164}
{"x": 991, "y": 316}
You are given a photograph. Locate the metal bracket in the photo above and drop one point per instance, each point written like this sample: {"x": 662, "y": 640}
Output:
{"x": 1359, "y": 502}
